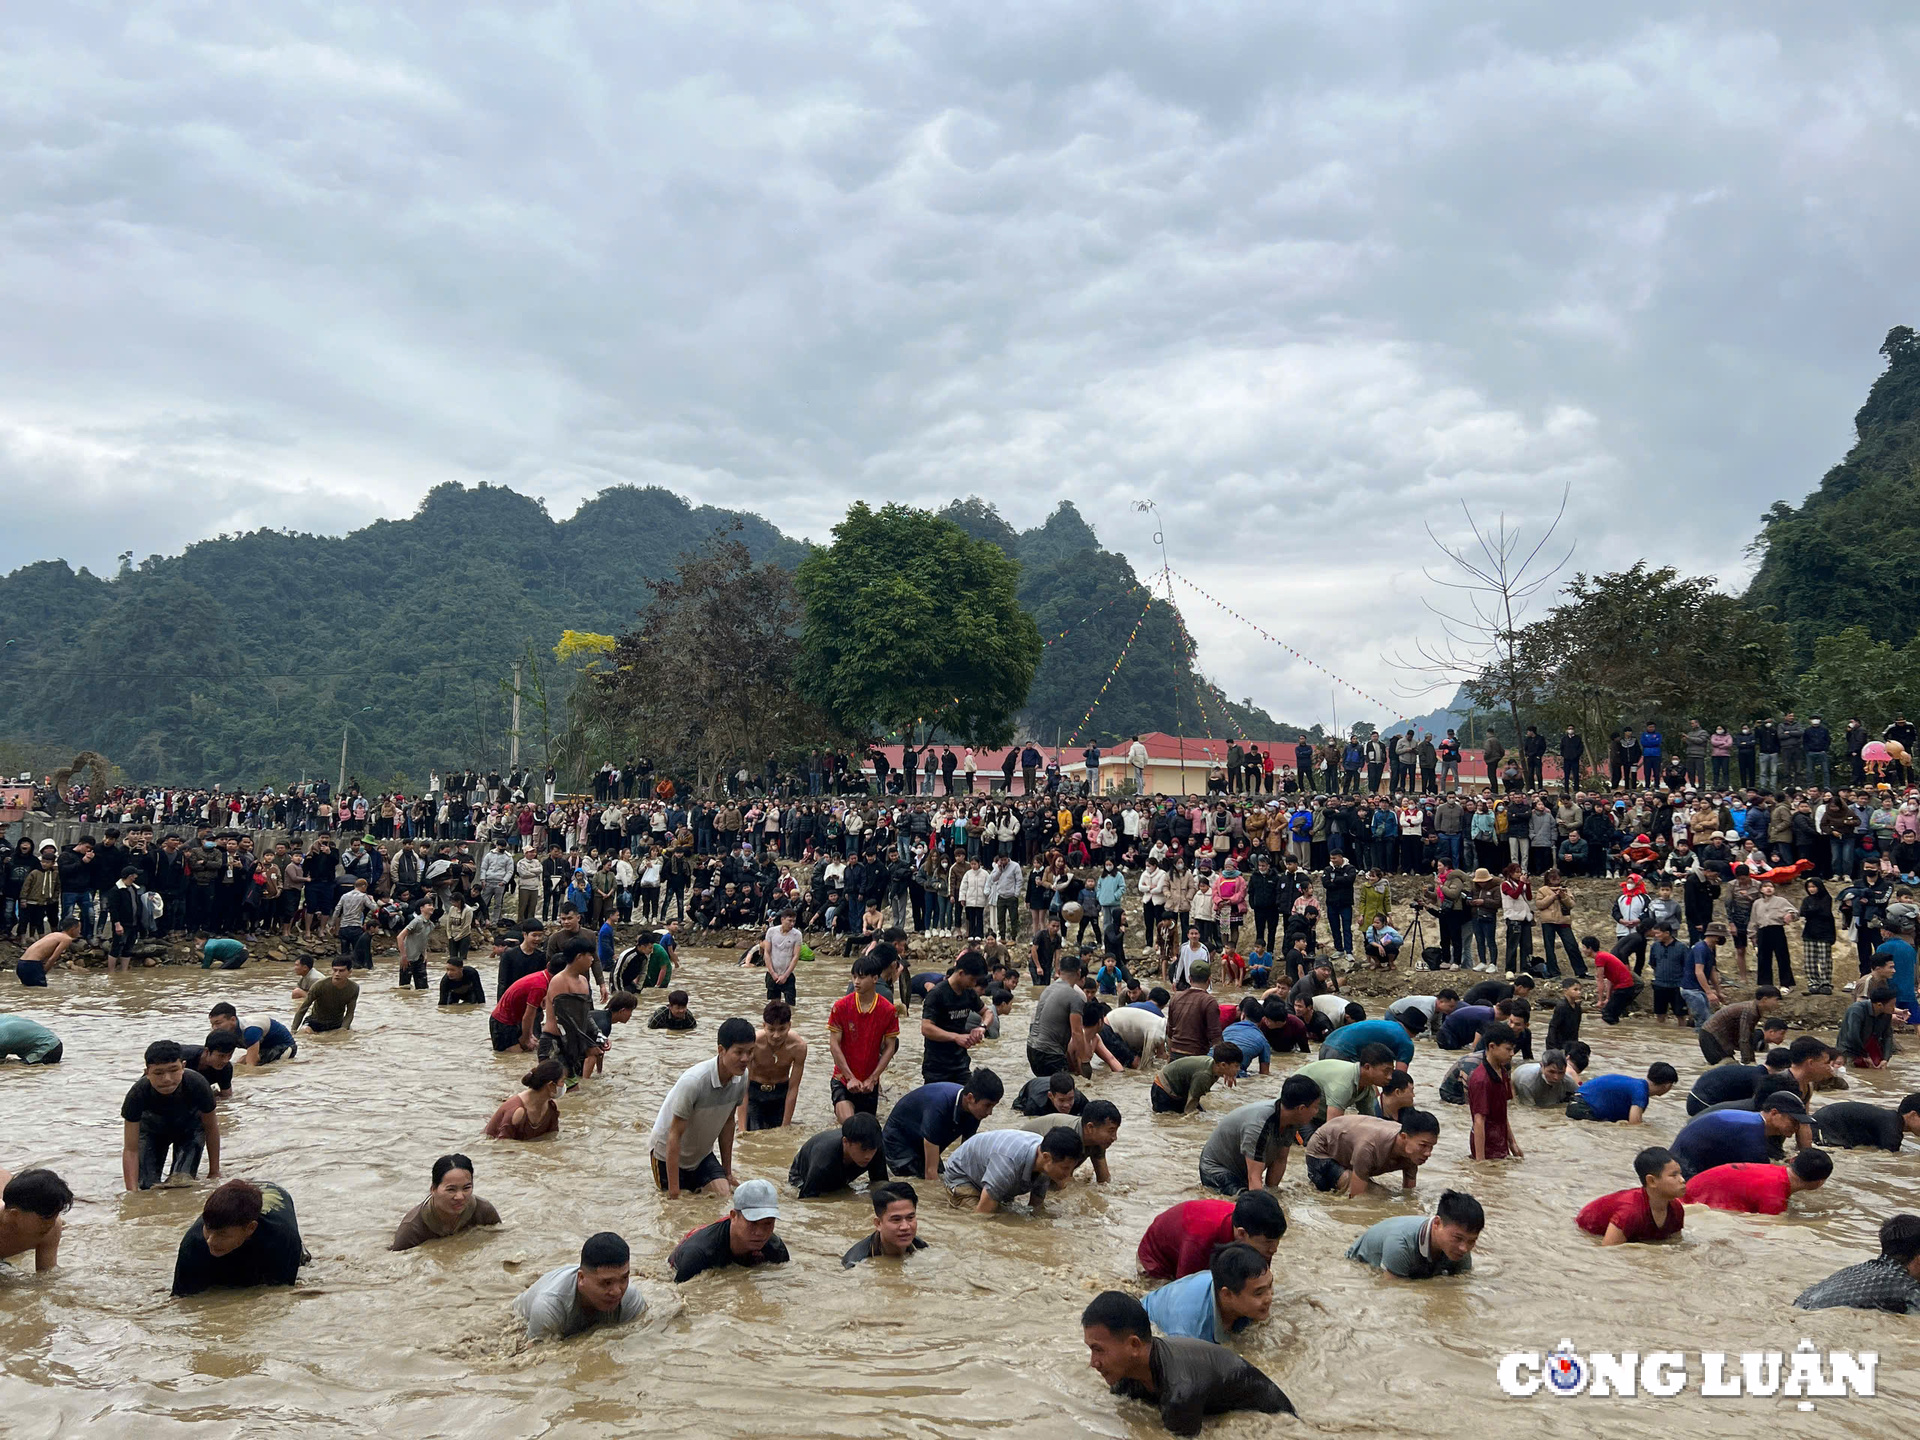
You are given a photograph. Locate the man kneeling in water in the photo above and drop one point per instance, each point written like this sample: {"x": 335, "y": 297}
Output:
{"x": 597, "y": 1291}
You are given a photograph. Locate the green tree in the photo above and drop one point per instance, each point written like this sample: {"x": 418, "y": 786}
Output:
{"x": 911, "y": 622}
{"x": 1845, "y": 556}
{"x": 1854, "y": 676}
{"x": 1636, "y": 646}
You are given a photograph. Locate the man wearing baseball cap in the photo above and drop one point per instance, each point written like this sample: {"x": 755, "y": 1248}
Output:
{"x": 744, "y": 1237}
{"x": 1738, "y": 1137}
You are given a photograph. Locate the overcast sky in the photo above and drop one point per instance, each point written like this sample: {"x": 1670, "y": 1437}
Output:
{"x": 1305, "y": 274}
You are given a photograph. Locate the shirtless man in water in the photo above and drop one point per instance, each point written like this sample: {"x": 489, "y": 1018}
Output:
{"x": 32, "y": 1204}
{"x": 567, "y": 1033}
{"x": 32, "y": 965}
{"x": 773, "y": 1076}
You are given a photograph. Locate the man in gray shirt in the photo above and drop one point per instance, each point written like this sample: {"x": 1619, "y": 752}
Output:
{"x": 1056, "y": 1037}
{"x": 597, "y": 1291}
{"x": 1001, "y": 1165}
{"x": 413, "y": 945}
{"x": 1248, "y": 1148}
{"x": 698, "y": 1113}
{"x": 1546, "y": 1085}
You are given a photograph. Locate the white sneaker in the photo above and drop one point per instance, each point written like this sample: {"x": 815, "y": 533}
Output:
{"x": 1848, "y": 987}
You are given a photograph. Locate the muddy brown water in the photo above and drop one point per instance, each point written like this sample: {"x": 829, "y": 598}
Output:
{"x": 977, "y": 1335}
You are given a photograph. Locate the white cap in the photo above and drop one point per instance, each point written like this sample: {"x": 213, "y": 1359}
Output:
{"x": 757, "y": 1200}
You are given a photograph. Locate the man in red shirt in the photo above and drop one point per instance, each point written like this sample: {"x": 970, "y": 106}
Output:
{"x": 1644, "y": 1216}
{"x": 863, "y": 1031}
{"x": 514, "y": 1021}
{"x": 1489, "y": 1089}
{"x": 1614, "y": 985}
{"x": 1181, "y": 1241}
{"x": 1759, "y": 1189}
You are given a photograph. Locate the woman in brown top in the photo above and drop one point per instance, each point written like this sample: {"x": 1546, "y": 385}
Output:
{"x": 535, "y": 1111}
{"x": 450, "y": 1206}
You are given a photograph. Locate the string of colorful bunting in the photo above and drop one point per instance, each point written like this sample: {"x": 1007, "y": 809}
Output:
{"x": 1123, "y": 595}
{"x": 1338, "y": 680}
{"x": 1119, "y": 660}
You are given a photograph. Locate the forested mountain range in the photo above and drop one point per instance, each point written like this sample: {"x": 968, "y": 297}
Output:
{"x": 243, "y": 659}
{"x": 1846, "y": 555}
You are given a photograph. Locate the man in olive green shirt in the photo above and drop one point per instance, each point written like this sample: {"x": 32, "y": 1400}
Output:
{"x": 1180, "y": 1084}
{"x": 1351, "y": 1085}
{"x": 330, "y": 1004}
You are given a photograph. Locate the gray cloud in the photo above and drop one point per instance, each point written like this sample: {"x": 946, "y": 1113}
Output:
{"x": 1304, "y": 275}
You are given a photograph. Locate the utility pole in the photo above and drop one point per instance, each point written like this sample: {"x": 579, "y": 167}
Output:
{"x": 513, "y": 745}
{"x": 343, "y": 759}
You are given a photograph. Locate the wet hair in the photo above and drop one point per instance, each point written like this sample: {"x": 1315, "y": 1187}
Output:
{"x": 238, "y": 1202}
{"x": 1297, "y": 1090}
{"x": 1099, "y": 1112}
{"x": 623, "y": 1000}
{"x": 223, "y": 1009}
{"x": 1235, "y": 1266}
{"x": 1419, "y": 1122}
{"x": 1651, "y": 1161}
{"x": 1094, "y": 1013}
{"x": 1813, "y": 1166}
{"x": 1909, "y": 1105}
{"x": 39, "y": 1192}
{"x": 1661, "y": 1073}
{"x": 543, "y": 1074}
{"x": 676, "y": 997}
{"x": 162, "y": 1052}
{"x": 1578, "y": 1054}
{"x": 1118, "y": 1313}
{"x": 1900, "y": 1238}
{"x": 1258, "y": 1212}
{"x": 1061, "y": 1083}
{"x": 1807, "y": 1047}
{"x": 984, "y": 1085}
{"x": 892, "y": 1192}
{"x": 1456, "y": 1207}
{"x": 1374, "y": 1053}
{"x": 1061, "y": 1143}
{"x": 221, "y": 1042}
{"x": 861, "y": 1129}
{"x": 455, "y": 1161}
{"x": 603, "y": 1251}
{"x": 1396, "y": 1082}
{"x": 1227, "y": 1053}
{"x": 778, "y": 1012}
{"x": 735, "y": 1031}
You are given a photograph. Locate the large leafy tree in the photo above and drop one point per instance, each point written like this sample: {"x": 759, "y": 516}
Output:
{"x": 706, "y": 683}
{"x": 1855, "y": 676}
{"x": 912, "y": 625}
{"x": 1638, "y": 645}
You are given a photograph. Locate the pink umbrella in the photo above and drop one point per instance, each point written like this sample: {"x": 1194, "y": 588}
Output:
{"x": 1874, "y": 753}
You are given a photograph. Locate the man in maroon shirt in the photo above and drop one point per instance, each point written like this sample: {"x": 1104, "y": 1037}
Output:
{"x": 1182, "y": 1240}
{"x": 1489, "y": 1089}
{"x": 1193, "y": 1016}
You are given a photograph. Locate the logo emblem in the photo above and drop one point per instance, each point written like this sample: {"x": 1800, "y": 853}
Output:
{"x": 1565, "y": 1374}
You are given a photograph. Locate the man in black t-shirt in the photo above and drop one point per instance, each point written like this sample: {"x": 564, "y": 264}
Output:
{"x": 835, "y": 1157}
{"x": 1854, "y": 1123}
{"x": 247, "y": 1235}
{"x": 213, "y": 1061}
{"x": 953, "y": 1020}
{"x": 1045, "y": 945}
{"x": 169, "y": 1108}
{"x": 744, "y": 1237}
